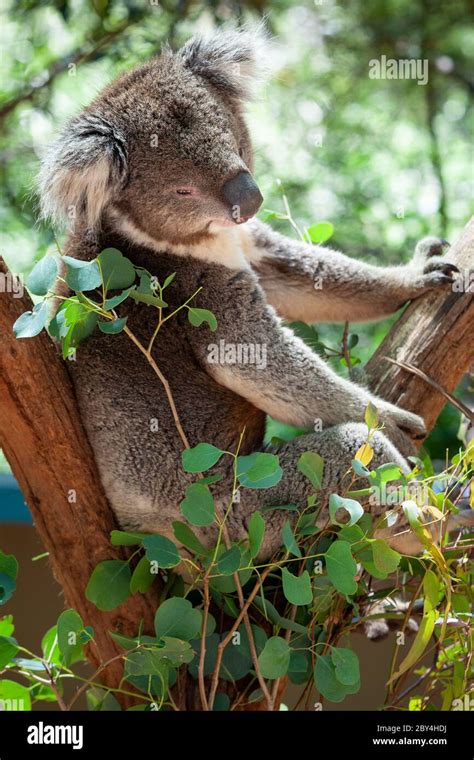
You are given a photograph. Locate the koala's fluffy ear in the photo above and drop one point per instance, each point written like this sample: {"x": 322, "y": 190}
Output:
{"x": 82, "y": 170}
{"x": 231, "y": 60}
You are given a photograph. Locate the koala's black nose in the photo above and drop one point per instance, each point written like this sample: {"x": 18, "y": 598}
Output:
{"x": 243, "y": 195}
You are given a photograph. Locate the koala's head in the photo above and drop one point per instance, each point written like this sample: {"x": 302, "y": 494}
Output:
{"x": 165, "y": 147}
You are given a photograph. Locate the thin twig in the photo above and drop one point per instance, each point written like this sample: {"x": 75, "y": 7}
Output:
{"x": 202, "y": 656}
{"x": 452, "y": 399}
{"x": 164, "y": 383}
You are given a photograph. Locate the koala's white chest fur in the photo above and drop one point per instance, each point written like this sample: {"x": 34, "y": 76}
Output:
{"x": 228, "y": 246}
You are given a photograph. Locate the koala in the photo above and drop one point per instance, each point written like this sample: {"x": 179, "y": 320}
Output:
{"x": 160, "y": 166}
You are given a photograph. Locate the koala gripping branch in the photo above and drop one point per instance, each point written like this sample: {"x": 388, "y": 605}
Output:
{"x": 44, "y": 441}
{"x": 43, "y": 438}
{"x": 434, "y": 335}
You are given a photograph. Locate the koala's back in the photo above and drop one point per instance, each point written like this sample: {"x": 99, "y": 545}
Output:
{"x": 124, "y": 406}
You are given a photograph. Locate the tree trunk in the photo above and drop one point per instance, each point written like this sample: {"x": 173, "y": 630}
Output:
{"x": 435, "y": 335}
{"x": 43, "y": 439}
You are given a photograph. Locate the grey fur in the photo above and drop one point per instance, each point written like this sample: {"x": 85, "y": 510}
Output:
{"x": 250, "y": 277}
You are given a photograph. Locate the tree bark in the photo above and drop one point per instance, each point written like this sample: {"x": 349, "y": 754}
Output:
{"x": 44, "y": 441}
{"x": 435, "y": 335}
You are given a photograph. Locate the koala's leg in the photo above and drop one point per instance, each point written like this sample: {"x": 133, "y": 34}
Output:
{"x": 337, "y": 446}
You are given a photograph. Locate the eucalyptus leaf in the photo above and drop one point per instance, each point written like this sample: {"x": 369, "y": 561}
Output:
{"x": 312, "y": 465}
{"x": 42, "y": 276}
{"x": 198, "y": 506}
{"x": 30, "y": 323}
{"x": 82, "y": 275}
{"x": 109, "y": 584}
{"x": 297, "y": 589}
{"x": 341, "y": 567}
{"x": 274, "y": 660}
{"x": 201, "y": 457}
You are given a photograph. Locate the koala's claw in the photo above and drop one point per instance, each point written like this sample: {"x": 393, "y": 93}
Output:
{"x": 440, "y": 265}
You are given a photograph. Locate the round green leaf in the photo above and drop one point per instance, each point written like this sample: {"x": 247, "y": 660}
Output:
{"x": 124, "y": 538}
{"x": 8, "y": 565}
{"x": 161, "y": 550}
{"x": 82, "y": 275}
{"x": 297, "y": 589}
{"x": 312, "y": 465}
{"x": 111, "y": 303}
{"x": 145, "y": 294}
{"x": 259, "y": 470}
{"x": 229, "y": 562}
{"x": 198, "y": 316}
{"x": 326, "y": 680}
{"x": 185, "y": 536}
{"x": 274, "y": 660}
{"x": 386, "y": 560}
{"x": 177, "y": 618}
{"x": 14, "y": 695}
{"x": 341, "y": 567}
{"x": 142, "y": 579}
{"x": 117, "y": 270}
{"x": 113, "y": 326}
{"x": 8, "y": 650}
{"x": 221, "y": 702}
{"x": 346, "y": 665}
{"x": 50, "y": 648}
{"x": 320, "y": 232}
{"x": 69, "y": 627}
{"x": 7, "y": 587}
{"x": 42, "y": 276}
{"x": 200, "y": 458}
{"x": 31, "y": 323}
{"x": 198, "y": 506}
{"x": 109, "y": 584}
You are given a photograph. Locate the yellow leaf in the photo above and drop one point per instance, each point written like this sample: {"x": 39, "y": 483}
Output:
{"x": 371, "y": 416}
{"x": 365, "y": 454}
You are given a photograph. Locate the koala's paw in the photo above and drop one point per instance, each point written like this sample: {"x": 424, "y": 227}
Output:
{"x": 378, "y": 628}
{"x": 432, "y": 270}
{"x": 430, "y": 246}
{"x": 409, "y": 423}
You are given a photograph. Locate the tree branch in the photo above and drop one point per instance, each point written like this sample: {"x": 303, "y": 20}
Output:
{"x": 434, "y": 335}
{"x": 46, "y": 445}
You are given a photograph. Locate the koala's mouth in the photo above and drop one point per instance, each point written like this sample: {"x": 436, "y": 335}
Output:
{"x": 226, "y": 222}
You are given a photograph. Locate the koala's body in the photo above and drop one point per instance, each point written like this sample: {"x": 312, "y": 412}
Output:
{"x": 159, "y": 167}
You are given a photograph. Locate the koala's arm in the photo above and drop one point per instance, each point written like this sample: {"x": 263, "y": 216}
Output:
{"x": 288, "y": 381}
{"x": 315, "y": 284}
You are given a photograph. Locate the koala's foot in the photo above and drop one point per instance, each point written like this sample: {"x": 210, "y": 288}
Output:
{"x": 379, "y": 628}
{"x": 394, "y": 417}
{"x": 430, "y": 267}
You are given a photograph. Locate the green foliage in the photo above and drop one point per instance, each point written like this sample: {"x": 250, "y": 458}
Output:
{"x": 79, "y": 314}
{"x": 274, "y": 660}
{"x": 161, "y": 550}
{"x": 200, "y": 458}
{"x": 259, "y": 470}
{"x": 341, "y": 567}
{"x": 109, "y": 584}
{"x": 198, "y": 506}
{"x": 8, "y": 574}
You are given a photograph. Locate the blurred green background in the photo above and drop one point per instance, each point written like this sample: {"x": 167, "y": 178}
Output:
{"x": 385, "y": 161}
